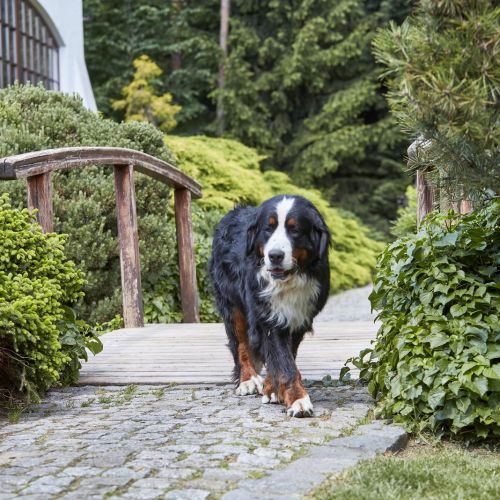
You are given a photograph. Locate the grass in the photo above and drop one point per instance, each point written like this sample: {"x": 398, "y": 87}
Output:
{"x": 159, "y": 393}
{"x": 129, "y": 392}
{"x": 256, "y": 474}
{"x": 445, "y": 471}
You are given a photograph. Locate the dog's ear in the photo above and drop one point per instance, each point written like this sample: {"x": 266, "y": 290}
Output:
{"x": 322, "y": 235}
{"x": 252, "y": 236}
{"x": 324, "y": 242}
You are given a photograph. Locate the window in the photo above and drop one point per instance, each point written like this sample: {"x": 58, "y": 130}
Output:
{"x": 28, "y": 49}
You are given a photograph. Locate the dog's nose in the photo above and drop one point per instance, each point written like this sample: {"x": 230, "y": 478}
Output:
{"x": 276, "y": 257}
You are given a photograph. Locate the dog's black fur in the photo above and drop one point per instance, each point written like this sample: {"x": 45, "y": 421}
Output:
{"x": 237, "y": 257}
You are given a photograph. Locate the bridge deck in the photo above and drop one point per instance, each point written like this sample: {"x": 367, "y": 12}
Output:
{"x": 197, "y": 353}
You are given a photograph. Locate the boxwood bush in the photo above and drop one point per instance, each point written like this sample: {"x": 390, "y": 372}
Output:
{"x": 41, "y": 341}
{"x": 435, "y": 364}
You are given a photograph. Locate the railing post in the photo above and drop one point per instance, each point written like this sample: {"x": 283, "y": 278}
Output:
{"x": 133, "y": 314}
{"x": 425, "y": 197}
{"x": 40, "y": 197}
{"x": 185, "y": 248}
{"x": 465, "y": 206}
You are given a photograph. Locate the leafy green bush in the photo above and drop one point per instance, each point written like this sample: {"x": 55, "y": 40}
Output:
{"x": 41, "y": 341}
{"x": 230, "y": 174}
{"x": 32, "y": 118}
{"x": 436, "y": 360}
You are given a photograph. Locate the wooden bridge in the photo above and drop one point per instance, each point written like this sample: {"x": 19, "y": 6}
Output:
{"x": 37, "y": 168}
{"x": 159, "y": 354}
{"x": 197, "y": 353}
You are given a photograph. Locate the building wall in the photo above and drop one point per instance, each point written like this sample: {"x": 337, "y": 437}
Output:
{"x": 67, "y": 17}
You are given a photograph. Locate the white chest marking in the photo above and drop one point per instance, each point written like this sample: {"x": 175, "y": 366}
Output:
{"x": 291, "y": 301}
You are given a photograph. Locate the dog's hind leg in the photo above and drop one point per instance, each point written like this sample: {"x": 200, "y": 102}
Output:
{"x": 250, "y": 382}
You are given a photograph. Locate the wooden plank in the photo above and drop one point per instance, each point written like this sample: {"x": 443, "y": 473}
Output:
{"x": 40, "y": 198}
{"x": 197, "y": 354}
{"x": 152, "y": 379}
{"x": 425, "y": 197}
{"x": 39, "y": 162}
{"x": 466, "y": 206}
{"x": 185, "y": 247}
{"x": 129, "y": 246}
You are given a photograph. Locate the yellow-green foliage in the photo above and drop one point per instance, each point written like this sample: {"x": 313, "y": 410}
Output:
{"x": 140, "y": 101}
{"x": 229, "y": 173}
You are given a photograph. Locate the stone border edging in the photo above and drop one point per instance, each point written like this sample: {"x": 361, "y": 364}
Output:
{"x": 308, "y": 472}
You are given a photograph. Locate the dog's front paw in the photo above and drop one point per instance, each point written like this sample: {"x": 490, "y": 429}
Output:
{"x": 252, "y": 386}
{"x": 301, "y": 408}
{"x": 271, "y": 398}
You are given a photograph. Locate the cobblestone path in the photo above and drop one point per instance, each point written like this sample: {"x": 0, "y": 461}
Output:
{"x": 162, "y": 442}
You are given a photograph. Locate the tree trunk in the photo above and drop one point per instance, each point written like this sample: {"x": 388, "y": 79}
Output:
{"x": 175, "y": 58}
{"x": 176, "y": 61}
{"x": 225, "y": 6}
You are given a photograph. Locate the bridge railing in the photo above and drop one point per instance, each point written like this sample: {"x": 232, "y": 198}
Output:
{"x": 426, "y": 193}
{"x": 37, "y": 168}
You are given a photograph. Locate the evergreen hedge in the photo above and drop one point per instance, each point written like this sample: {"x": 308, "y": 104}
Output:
{"x": 41, "y": 341}
{"x": 435, "y": 364}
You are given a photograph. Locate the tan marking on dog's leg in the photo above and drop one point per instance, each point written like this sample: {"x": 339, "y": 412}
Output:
{"x": 250, "y": 380}
{"x": 269, "y": 394}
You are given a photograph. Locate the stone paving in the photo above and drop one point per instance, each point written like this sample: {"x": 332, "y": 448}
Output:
{"x": 164, "y": 442}
{"x": 351, "y": 305}
{"x": 189, "y": 442}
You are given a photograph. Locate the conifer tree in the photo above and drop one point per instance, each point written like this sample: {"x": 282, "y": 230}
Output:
{"x": 181, "y": 36}
{"x": 302, "y": 87}
{"x": 301, "y": 84}
{"x": 444, "y": 67}
{"x": 140, "y": 101}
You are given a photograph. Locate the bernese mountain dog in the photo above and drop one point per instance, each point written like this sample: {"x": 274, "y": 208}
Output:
{"x": 270, "y": 274}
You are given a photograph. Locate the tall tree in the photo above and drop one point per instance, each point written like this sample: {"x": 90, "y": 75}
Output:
{"x": 179, "y": 35}
{"x": 302, "y": 86}
{"x": 225, "y": 8}
{"x": 299, "y": 84}
{"x": 445, "y": 89}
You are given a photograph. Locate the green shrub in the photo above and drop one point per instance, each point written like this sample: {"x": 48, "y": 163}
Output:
{"x": 31, "y": 118}
{"x": 230, "y": 174}
{"x": 41, "y": 341}
{"x": 436, "y": 360}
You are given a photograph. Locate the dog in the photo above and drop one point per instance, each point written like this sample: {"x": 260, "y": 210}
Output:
{"x": 270, "y": 275}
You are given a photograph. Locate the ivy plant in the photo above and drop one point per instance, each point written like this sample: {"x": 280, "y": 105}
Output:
{"x": 435, "y": 364}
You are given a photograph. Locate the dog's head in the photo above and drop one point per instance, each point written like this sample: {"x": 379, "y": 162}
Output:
{"x": 289, "y": 235}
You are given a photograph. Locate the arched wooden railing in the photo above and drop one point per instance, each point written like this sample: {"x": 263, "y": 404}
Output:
{"x": 37, "y": 167}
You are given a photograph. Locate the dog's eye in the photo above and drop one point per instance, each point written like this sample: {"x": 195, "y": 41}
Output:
{"x": 293, "y": 229}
